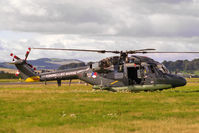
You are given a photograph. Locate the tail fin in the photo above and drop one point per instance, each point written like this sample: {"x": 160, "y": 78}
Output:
{"x": 26, "y": 70}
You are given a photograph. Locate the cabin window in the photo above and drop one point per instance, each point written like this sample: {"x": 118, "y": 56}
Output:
{"x": 84, "y": 74}
{"x": 91, "y": 66}
{"x": 131, "y": 61}
{"x": 152, "y": 69}
{"x": 139, "y": 75}
{"x": 146, "y": 69}
{"x": 120, "y": 68}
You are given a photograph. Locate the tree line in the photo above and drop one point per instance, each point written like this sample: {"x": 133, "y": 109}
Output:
{"x": 182, "y": 65}
{"x": 6, "y": 75}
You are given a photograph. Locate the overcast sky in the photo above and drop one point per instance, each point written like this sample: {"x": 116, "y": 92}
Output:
{"x": 167, "y": 25}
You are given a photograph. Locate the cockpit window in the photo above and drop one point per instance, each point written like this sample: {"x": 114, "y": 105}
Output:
{"x": 162, "y": 68}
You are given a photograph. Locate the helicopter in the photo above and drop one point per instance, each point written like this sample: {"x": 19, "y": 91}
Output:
{"x": 124, "y": 72}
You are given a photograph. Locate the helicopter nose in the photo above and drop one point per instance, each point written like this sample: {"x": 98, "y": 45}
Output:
{"x": 179, "y": 81}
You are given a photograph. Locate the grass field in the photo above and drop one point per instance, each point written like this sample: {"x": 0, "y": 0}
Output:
{"x": 79, "y": 109}
{"x": 10, "y": 80}
{"x": 22, "y": 80}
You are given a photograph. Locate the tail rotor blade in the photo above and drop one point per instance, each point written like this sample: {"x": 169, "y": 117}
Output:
{"x": 27, "y": 53}
{"x": 26, "y": 56}
{"x": 11, "y": 54}
{"x": 14, "y": 57}
{"x": 17, "y": 73}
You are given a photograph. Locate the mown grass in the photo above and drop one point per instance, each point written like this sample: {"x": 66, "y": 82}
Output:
{"x": 10, "y": 80}
{"x": 22, "y": 80}
{"x": 40, "y": 108}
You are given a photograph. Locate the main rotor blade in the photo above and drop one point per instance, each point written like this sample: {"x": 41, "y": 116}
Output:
{"x": 147, "y": 49}
{"x": 139, "y": 51}
{"x": 142, "y": 51}
{"x": 163, "y": 52}
{"x": 85, "y": 50}
{"x": 99, "y": 51}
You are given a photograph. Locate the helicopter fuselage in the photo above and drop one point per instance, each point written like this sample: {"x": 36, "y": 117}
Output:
{"x": 136, "y": 73}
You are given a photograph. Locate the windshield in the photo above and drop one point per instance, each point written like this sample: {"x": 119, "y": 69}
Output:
{"x": 162, "y": 68}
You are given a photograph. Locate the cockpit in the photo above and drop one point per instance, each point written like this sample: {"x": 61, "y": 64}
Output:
{"x": 162, "y": 68}
{"x": 155, "y": 68}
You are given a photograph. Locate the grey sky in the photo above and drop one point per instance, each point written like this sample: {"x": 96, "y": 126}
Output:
{"x": 167, "y": 25}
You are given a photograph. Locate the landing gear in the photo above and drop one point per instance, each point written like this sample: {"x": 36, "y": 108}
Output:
{"x": 70, "y": 82}
{"x": 59, "y": 83}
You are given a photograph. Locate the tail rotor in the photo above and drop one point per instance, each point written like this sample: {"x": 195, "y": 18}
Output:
{"x": 27, "y": 54}
{"x": 26, "y": 70}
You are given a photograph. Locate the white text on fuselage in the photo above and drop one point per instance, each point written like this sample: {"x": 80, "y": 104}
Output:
{"x": 62, "y": 74}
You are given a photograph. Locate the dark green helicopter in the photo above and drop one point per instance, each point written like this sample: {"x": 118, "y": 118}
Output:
{"x": 117, "y": 73}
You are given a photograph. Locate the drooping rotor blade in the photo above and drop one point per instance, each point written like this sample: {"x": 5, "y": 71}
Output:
{"x": 164, "y": 52}
{"x": 142, "y": 51}
{"x": 147, "y": 49}
{"x": 139, "y": 51}
{"x": 85, "y": 50}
